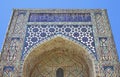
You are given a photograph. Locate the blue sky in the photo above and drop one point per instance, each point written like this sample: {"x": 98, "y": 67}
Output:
{"x": 112, "y": 7}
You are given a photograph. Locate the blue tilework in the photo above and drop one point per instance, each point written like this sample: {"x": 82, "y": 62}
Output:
{"x": 22, "y": 12}
{"x": 38, "y": 33}
{"x": 59, "y": 17}
{"x": 10, "y": 68}
{"x": 108, "y": 67}
{"x": 103, "y": 41}
{"x": 17, "y": 38}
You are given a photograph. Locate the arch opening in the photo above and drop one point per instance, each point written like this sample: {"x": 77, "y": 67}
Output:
{"x": 57, "y": 56}
{"x": 60, "y": 72}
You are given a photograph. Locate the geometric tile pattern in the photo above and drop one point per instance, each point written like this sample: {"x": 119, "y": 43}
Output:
{"x": 103, "y": 41}
{"x": 59, "y": 17}
{"x": 92, "y": 32}
{"x": 108, "y": 70}
{"x": 106, "y": 67}
{"x": 10, "y": 68}
{"x": 7, "y": 71}
{"x": 37, "y": 33}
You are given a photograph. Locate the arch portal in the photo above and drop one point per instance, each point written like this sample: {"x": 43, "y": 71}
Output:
{"x": 57, "y": 56}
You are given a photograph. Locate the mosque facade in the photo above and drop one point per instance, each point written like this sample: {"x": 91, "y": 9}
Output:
{"x": 59, "y": 43}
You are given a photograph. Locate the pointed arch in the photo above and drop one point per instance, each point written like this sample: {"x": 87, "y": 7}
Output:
{"x": 40, "y": 52}
{"x": 61, "y": 36}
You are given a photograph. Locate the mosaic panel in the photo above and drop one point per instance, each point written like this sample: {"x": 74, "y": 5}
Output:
{"x": 37, "y": 33}
{"x": 10, "y": 68}
{"x": 22, "y": 12}
{"x": 108, "y": 71}
{"x": 103, "y": 41}
{"x": 59, "y": 17}
{"x": 106, "y": 66}
{"x": 110, "y": 67}
{"x": 12, "y": 48}
{"x": 106, "y": 49}
{"x": 101, "y": 23}
{"x": 8, "y": 71}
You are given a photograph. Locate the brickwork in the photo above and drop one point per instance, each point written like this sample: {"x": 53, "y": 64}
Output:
{"x": 87, "y": 32}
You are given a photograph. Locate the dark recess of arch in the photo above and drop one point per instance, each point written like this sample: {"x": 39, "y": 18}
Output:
{"x": 60, "y": 72}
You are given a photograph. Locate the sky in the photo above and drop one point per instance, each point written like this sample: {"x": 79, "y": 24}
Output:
{"x": 112, "y": 6}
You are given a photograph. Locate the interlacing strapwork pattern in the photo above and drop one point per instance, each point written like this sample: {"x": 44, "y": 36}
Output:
{"x": 69, "y": 66}
{"x": 30, "y": 28}
{"x": 38, "y": 33}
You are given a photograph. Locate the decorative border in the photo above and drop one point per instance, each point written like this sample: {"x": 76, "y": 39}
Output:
{"x": 59, "y": 17}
